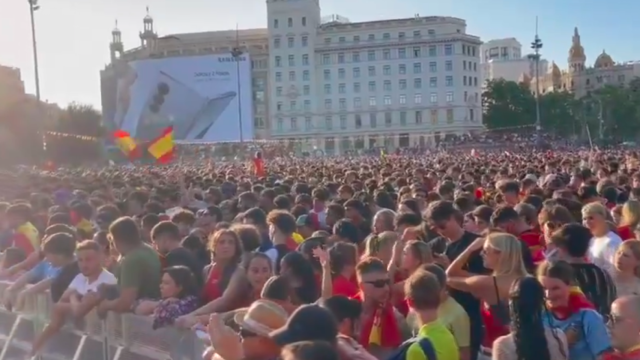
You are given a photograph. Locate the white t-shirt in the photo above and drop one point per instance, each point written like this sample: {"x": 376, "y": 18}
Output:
{"x": 602, "y": 251}
{"x": 82, "y": 286}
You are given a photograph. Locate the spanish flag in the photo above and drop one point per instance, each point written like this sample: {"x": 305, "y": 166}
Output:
{"x": 126, "y": 144}
{"x": 162, "y": 147}
{"x": 26, "y": 237}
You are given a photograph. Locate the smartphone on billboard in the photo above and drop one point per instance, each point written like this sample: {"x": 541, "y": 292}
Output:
{"x": 210, "y": 114}
{"x": 169, "y": 102}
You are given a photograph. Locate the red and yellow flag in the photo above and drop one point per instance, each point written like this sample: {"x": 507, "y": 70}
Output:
{"x": 162, "y": 147}
{"x": 126, "y": 144}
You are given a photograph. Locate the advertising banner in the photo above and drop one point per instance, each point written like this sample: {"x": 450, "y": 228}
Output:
{"x": 205, "y": 98}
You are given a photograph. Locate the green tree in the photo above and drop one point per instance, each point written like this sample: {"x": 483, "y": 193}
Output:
{"x": 77, "y": 135}
{"x": 557, "y": 113}
{"x": 507, "y": 104}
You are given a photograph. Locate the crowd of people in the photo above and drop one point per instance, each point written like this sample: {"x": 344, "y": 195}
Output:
{"x": 514, "y": 255}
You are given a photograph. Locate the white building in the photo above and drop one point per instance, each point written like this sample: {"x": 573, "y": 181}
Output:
{"x": 339, "y": 85}
{"x": 513, "y": 69}
{"x": 500, "y": 49}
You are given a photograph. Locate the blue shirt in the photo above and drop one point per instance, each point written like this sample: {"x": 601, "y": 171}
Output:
{"x": 44, "y": 270}
{"x": 593, "y": 335}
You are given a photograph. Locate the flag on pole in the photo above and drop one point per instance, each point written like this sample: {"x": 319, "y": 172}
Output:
{"x": 383, "y": 154}
{"x": 126, "y": 144}
{"x": 162, "y": 147}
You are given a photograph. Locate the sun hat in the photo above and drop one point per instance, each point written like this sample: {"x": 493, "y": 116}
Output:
{"x": 262, "y": 317}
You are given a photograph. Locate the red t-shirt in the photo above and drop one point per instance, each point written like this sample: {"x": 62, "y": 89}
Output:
{"x": 535, "y": 242}
{"x": 625, "y": 233}
{"x": 344, "y": 286}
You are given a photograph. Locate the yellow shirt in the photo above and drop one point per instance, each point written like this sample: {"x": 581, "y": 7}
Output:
{"x": 443, "y": 343}
{"x": 453, "y": 316}
{"x": 297, "y": 238}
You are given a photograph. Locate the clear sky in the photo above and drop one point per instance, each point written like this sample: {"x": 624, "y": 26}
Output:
{"x": 74, "y": 35}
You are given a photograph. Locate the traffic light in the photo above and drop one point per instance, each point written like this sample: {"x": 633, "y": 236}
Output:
{"x": 158, "y": 99}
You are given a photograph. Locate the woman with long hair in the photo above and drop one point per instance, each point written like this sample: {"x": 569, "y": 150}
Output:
{"x": 380, "y": 245}
{"x": 569, "y": 310}
{"x": 627, "y": 263}
{"x": 529, "y": 339}
{"x": 630, "y": 219}
{"x": 502, "y": 253}
{"x": 304, "y": 284}
{"x": 605, "y": 242}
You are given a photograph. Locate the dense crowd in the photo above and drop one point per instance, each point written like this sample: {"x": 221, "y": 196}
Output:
{"x": 519, "y": 254}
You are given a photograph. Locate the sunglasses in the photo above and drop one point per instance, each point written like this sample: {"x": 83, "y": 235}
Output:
{"x": 379, "y": 283}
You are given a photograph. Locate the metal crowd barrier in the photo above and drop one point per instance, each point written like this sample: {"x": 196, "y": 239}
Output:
{"x": 118, "y": 337}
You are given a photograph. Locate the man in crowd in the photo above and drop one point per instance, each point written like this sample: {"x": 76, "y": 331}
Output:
{"x": 166, "y": 237}
{"x": 624, "y": 323}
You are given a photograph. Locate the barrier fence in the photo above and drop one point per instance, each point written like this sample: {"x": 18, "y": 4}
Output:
{"x": 118, "y": 337}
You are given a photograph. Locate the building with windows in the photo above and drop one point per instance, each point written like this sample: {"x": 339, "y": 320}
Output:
{"x": 502, "y": 59}
{"x": 500, "y": 49}
{"x": 348, "y": 86}
{"x": 581, "y": 79}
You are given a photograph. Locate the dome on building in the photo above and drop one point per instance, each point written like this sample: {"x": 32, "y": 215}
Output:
{"x": 576, "y": 52}
{"x": 604, "y": 60}
{"x": 115, "y": 29}
{"x": 554, "y": 70}
{"x": 147, "y": 17}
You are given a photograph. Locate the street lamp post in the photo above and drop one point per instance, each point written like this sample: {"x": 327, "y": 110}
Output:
{"x": 236, "y": 52}
{"x": 536, "y": 45}
{"x": 33, "y": 6}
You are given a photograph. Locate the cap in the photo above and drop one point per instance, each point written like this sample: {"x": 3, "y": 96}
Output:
{"x": 310, "y": 220}
{"x": 307, "y": 323}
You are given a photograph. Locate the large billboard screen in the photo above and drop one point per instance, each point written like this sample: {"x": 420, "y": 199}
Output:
{"x": 205, "y": 98}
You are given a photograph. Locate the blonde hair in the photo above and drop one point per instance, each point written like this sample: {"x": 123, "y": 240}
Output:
{"x": 631, "y": 214}
{"x": 374, "y": 243}
{"x": 634, "y": 247}
{"x": 595, "y": 208}
{"x": 510, "y": 261}
{"x": 420, "y": 250}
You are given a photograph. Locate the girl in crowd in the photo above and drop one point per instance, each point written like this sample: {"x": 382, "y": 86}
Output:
{"x": 380, "y": 246}
{"x": 627, "y": 263}
{"x": 343, "y": 258}
{"x": 605, "y": 242}
{"x": 406, "y": 258}
{"x": 305, "y": 287}
{"x": 529, "y": 339}
{"x": 570, "y": 311}
{"x": 630, "y": 219}
{"x": 502, "y": 253}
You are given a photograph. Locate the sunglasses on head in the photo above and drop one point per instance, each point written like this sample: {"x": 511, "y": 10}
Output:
{"x": 379, "y": 283}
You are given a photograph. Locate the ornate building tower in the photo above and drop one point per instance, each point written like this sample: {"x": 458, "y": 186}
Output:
{"x": 148, "y": 36}
{"x": 577, "y": 58}
{"x": 116, "y": 46}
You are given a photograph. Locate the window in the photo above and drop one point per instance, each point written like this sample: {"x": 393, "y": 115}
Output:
{"x": 259, "y": 123}
{"x": 356, "y": 38}
{"x": 464, "y": 80}
{"x": 308, "y": 125}
{"x": 372, "y": 86}
{"x": 434, "y": 98}
{"x": 357, "y": 104}
{"x": 387, "y": 100}
{"x": 371, "y": 55}
{"x": 327, "y": 104}
{"x": 433, "y": 66}
{"x": 402, "y": 84}
{"x": 307, "y": 105}
{"x": 401, "y": 35}
{"x": 356, "y": 87}
{"x": 448, "y": 49}
{"x": 433, "y": 51}
{"x": 402, "y": 53}
{"x": 306, "y": 90}
{"x": 417, "y": 83}
{"x": 355, "y": 57}
{"x": 388, "y": 119}
{"x": 292, "y": 76}
{"x": 358, "y": 121}
{"x": 386, "y": 70}
{"x": 279, "y": 91}
{"x": 342, "y": 39}
{"x": 371, "y": 37}
{"x": 416, "y": 33}
{"x": 356, "y": 73}
{"x": 342, "y": 88}
{"x": 448, "y": 65}
{"x": 434, "y": 116}
{"x": 431, "y": 32}
{"x": 327, "y": 41}
{"x": 475, "y": 81}
{"x": 280, "y": 124}
{"x": 386, "y": 36}
{"x": 433, "y": 82}
{"x": 341, "y": 58}
{"x": 373, "y": 120}
{"x": 305, "y": 59}
{"x": 304, "y": 21}
{"x": 327, "y": 89}
{"x": 275, "y": 23}
{"x": 417, "y": 68}
{"x": 402, "y": 69}
{"x": 343, "y": 104}
{"x": 326, "y": 59}
{"x": 290, "y": 42}
{"x": 402, "y": 99}
{"x": 449, "y": 96}
{"x": 448, "y": 80}
{"x": 278, "y": 61}
{"x": 292, "y": 60}
{"x": 416, "y": 51}
{"x": 403, "y": 118}
{"x": 372, "y": 101}
{"x": 294, "y": 124}
{"x": 278, "y": 77}
{"x": 328, "y": 122}
{"x": 464, "y": 65}
{"x": 387, "y": 85}
{"x": 276, "y": 43}
{"x": 417, "y": 99}
{"x": 450, "y": 116}
{"x": 466, "y": 96}
{"x": 343, "y": 122}
{"x": 305, "y": 41}
{"x": 293, "y": 105}
{"x": 372, "y": 71}
{"x": 327, "y": 74}
{"x": 279, "y": 106}
{"x": 341, "y": 74}
{"x": 305, "y": 75}
{"x": 290, "y": 22}
{"x": 418, "y": 117}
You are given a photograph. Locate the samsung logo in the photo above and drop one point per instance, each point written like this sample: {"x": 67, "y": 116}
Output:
{"x": 211, "y": 74}
{"x": 231, "y": 59}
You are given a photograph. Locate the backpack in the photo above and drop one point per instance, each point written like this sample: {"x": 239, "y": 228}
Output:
{"x": 425, "y": 344}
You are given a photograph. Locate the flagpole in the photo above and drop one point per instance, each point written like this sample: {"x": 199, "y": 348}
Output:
{"x": 237, "y": 53}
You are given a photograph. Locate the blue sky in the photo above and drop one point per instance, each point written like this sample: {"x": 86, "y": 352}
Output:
{"x": 73, "y": 35}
